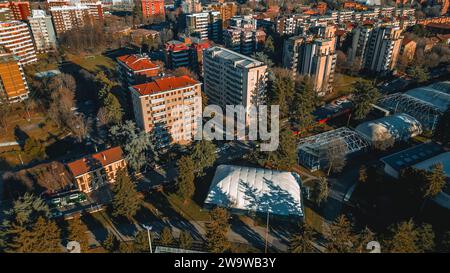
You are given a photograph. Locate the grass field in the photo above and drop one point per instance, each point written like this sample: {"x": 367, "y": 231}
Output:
{"x": 92, "y": 63}
{"x": 342, "y": 86}
{"x": 190, "y": 211}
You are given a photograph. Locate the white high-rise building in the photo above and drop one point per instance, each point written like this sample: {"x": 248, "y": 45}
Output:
{"x": 42, "y": 29}
{"x": 15, "y": 36}
{"x": 231, "y": 78}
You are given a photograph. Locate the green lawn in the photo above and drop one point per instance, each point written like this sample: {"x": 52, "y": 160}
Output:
{"x": 92, "y": 63}
{"x": 342, "y": 86}
{"x": 190, "y": 211}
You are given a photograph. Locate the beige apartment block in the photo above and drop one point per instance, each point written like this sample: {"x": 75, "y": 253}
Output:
{"x": 168, "y": 108}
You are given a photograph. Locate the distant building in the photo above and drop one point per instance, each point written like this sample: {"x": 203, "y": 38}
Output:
{"x": 5, "y": 14}
{"x": 244, "y": 41}
{"x": 227, "y": 11}
{"x": 191, "y": 6}
{"x": 13, "y": 84}
{"x": 376, "y": 48}
{"x": 16, "y": 37}
{"x": 136, "y": 69}
{"x": 96, "y": 170}
{"x": 43, "y": 33}
{"x": 168, "y": 108}
{"x": 231, "y": 78}
{"x": 313, "y": 55}
{"x": 69, "y": 17}
{"x": 384, "y": 48}
{"x": 204, "y": 25}
{"x": 186, "y": 54}
{"x": 20, "y": 10}
{"x": 151, "y": 8}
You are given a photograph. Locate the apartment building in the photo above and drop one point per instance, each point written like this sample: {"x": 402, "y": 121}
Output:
{"x": 244, "y": 21}
{"x": 187, "y": 53}
{"x": 169, "y": 108}
{"x": 151, "y": 8}
{"x": 191, "y": 6}
{"x": 42, "y": 29}
{"x": 69, "y": 17}
{"x": 227, "y": 11}
{"x": 5, "y": 14}
{"x": 383, "y": 49}
{"x": 15, "y": 37}
{"x": 231, "y": 78}
{"x": 204, "y": 25}
{"x": 360, "y": 39}
{"x": 136, "y": 69}
{"x": 313, "y": 55}
{"x": 19, "y": 10}
{"x": 244, "y": 41}
{"x": 13, "y": 85}
{"x": 97, "y": 170}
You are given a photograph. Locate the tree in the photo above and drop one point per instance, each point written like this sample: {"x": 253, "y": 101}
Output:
{"x": 362, "y": 174}
{"x": 34, "y": 149}
{"x": 301, "y": 241}
{"x": 185, "y": 180}
{"x": 136, "y": 144}
{"x": 185, "y": 240}
{"x": 217, "y": 230}
{"x": 44, "y": 236}
{"x": 281, "y": 91}
{"x": 203, "y": 155}
{"x": 5, "y": 111}
{"x": 403, "y": 238}
{"x": 126, "y": 201}
{"x": 113, "y": 109}
{"x": 303, "y": 104}
{"x": 435, "y": 181}
{"x": 442, "y": 131}
{"x": 426, "y": 238}
{"x": 141, "y": 243}
{"x": 260, "y": 56}
{"x": 320, "y": 191}
{"x": 362, "y": 239}
{"x": 110, "y": 243}
{"x": 166, "y": 236}
{"x": 184, "y": 71}
{"x": 340, "y": 239}
{"x": 269, "y": 47}
{"x": 285, "y": 156}
{"x": 335, "y": 154}
{"x": 445, "y": 243}
{"x": 78, "y": 232}
{"x": 419, "y": 73}
{"x": 80, "y": 127}
{"x": 364, "y": 95}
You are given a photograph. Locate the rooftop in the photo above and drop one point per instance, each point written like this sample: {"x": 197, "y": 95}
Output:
{"x": 413, "y": 155}
{"x": 238, "y": 59}
{"x": 256, "y": 189}
{"x": 137, "y": 62}
{"x": 164, "y": 84}
{"x": 95, "y": 161}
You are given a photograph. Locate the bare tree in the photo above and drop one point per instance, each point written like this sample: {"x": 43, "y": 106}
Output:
{"x": 335, "y": 154}
{"x": 80, "y": 127}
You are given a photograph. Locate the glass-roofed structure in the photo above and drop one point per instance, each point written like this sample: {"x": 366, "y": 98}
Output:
{"x": 313, "y": 150}
{"x": 426, "y": 104}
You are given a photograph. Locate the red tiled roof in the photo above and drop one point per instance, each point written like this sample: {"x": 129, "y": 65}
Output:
{"x": 164, "y": 84}
{"x": 95, "y": 161}
{"x": 137, "y": 63}
{"x": 406, "y": 41}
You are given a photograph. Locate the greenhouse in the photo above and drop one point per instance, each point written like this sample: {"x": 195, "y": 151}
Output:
{"x": 390, "y": 128}
{"x": 313, "y": 150}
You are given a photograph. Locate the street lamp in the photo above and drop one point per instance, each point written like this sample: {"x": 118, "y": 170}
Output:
{"x": 148, "y": 228}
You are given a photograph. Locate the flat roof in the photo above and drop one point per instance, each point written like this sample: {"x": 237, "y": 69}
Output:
{"x": 239, "y": 59}
{"x": 409, "y": 157}
{"x": 256, "y": 189}
{"x": 443, "y": 158}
